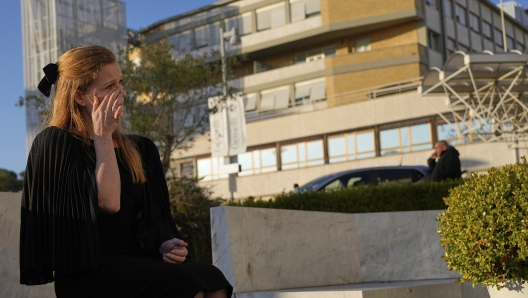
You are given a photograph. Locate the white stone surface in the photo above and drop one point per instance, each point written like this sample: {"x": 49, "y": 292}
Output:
{"x": 284, "y": 248}
{"x": 395, "y": 246}
{"x": 444, "y": 288}
{"x": 280, "y": 249}
{"x": 9, "y": 250}
{"x": 510, "y": 290}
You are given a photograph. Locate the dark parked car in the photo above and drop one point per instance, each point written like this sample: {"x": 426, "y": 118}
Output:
{"x": 368, "y": 176}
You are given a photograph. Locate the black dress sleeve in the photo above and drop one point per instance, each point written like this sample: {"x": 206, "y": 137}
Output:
{"x": 58, "y": 229}
{"x": 157, "y": 224}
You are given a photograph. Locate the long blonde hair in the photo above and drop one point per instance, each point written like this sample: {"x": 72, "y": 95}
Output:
{"x": 78, "y": 68}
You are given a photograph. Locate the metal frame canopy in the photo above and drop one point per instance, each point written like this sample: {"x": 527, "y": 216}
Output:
{"x": 487, "y": 94}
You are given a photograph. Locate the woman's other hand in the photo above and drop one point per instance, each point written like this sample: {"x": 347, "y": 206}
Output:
{"x": 174, "y": 251}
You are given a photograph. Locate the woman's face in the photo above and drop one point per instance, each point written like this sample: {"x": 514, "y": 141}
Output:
{"x": 108, "y": 79}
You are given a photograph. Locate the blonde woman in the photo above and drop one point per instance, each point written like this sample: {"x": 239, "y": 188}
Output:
{"x": 95, "y": 210}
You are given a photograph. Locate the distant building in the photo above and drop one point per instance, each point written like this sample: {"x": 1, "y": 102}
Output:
{"x": 331, "y": 85}
{"x": 516, "y": 10}
{"x": 51, "y": 27}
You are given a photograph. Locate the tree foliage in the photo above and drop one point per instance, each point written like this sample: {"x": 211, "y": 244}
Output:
{"x": 168, "y": 94}
{"x": 190, "y": 204}
{"x": 484, "y": 230}
{"x": 9, "y": 181}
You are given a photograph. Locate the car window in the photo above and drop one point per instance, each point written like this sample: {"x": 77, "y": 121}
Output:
{"x": 392, "y": 176}
{"x": 334, "y": 185}
{"x": 417, "y": 175}
{"x": 355, "y": 179}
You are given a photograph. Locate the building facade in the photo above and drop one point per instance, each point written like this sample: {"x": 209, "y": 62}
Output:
{"x": 51, "y": 27}
{"x": 331, "y": 85}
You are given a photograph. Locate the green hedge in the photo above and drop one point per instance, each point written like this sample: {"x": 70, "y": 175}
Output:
{"x": 395, "y": 197}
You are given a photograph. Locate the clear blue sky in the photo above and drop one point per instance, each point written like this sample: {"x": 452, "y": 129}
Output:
{"x": 140, "y": 14}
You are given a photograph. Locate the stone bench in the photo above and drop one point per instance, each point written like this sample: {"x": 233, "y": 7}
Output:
{"x": 286, "y": 253}
{"x": 9, "y": 244}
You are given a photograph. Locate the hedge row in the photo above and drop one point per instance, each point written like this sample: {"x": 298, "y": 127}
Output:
{"x": 395, "y": 197}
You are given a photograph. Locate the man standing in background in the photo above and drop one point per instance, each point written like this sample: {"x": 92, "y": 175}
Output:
{"x": 448, "y": 164}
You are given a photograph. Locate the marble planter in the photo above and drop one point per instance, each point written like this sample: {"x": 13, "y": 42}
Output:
{"x": 510, "y": 290}
{"x": 269, "y": 249}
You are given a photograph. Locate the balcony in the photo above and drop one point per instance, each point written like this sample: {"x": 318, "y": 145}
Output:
{"x": 286, "y": 75}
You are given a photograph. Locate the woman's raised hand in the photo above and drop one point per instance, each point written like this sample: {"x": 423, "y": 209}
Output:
{"x": 107, "y": 112}
{"x": 174, "y": 251}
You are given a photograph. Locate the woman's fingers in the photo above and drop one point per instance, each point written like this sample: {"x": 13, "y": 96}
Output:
{"x": 118, "y": 113}
{"x": 96, "y": 102}
{"x": 173, "y": 258}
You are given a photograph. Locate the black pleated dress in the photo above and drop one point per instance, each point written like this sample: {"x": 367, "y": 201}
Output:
{"x": 63, "y": 239}
{"x": 126, "y": 270}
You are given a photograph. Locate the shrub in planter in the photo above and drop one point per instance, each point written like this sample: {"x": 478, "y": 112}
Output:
{"x": 484, "y": 229}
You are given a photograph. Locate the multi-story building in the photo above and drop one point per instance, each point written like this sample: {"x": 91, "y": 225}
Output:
{"x": 51, "y": 27}
{"x": 516, "y": 10}
{"x": 331, "y": 85}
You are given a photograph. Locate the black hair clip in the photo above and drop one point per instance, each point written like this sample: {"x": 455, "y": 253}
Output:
{"x": 51, "y": 72}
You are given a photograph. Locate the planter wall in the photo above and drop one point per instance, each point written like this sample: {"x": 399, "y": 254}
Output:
{"x": 268, "y": 249}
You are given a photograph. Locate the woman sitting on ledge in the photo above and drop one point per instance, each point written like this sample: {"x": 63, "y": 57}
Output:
{"x": 95, "y": 206}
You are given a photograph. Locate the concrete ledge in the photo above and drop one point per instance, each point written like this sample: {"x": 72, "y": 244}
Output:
{"x": 9, "y": 244}
{"x": 268, "y": 249}
{"x": 445, "y": 288}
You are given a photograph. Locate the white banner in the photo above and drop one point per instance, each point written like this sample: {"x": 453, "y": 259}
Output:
{"x": 236, "y": 116}
{"x": 218, "y": 124}
{"x": 228, "y": 127}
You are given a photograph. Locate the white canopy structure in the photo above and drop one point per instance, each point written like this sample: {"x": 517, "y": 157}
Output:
{"x": 487, "y": 94}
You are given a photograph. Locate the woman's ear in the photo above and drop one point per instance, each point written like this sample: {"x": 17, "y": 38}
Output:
{"x": 79, "y": 98}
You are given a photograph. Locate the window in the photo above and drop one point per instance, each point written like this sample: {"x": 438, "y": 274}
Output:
{"x": 498, "y": 37}
{"x": 257, "y": 162}
{"x": 406, "y": 139}
{"x": 314, "y": 55}
{"x": 185, "y": 169}
{"x": 201, "y": 36}
{"x": 434, "y": 41}
{"x": 350, "y": 180}
{"x": 460, "y": 13}
{"x": 302, "y": 9}
{"x": 447, "y": 8}
{"x": 242, "y": 23}
{"x": 463, "y": 48}
{"x": 303, "y": 154}
{"x": 362, "y": 45}
{"x": 351, "y": 146}
{"x": 509, "y": 43}
{"x": 474, "y": 22}
{"x": 250, "y": 102}
{"x": 310, "y": 91}
{"x": 486, "y": 30}
{"x": 208, "y": 168}
{"x": 182, "y": 42}
{"x": 275, "y": 99}
{"x": 433, "y": 3}
{"x": 450, "y": 45}
{"x": 396, "y": 176}
{"x": 469, "y": 131}
{"x": 519, "y": 46}
{"x": 272, "y": 16}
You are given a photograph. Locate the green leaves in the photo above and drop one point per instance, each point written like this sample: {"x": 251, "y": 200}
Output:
{"x": 483, "y": 230}
{"x": 396, "y": 197}
{"x": 190, "y": 204}
{"x": 168, "y": 92}
{"x": 9, "y": 181}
